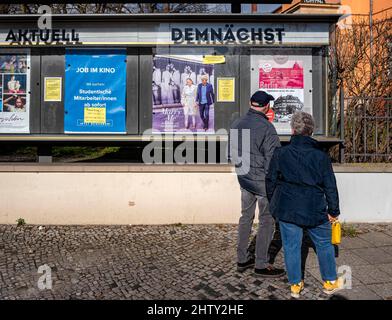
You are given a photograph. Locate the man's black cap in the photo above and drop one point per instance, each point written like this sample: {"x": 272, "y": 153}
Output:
{"x": 261, "y": 98}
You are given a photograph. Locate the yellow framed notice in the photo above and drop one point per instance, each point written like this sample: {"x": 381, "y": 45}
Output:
{"x": 213, "y": 59}
{"x": 52, "y": 88}
{"x": 226, "y": 89}
{"x": 94, "y": 115}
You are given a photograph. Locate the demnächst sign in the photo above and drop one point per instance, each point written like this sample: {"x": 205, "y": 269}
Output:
{"x": 171, "y": 34}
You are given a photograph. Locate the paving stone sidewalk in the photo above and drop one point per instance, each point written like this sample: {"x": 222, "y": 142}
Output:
{"x": 170, "y": 262}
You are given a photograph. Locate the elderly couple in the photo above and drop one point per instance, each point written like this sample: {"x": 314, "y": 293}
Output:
{"x": 295, "y": 189}
{"x": 201, "y": 97}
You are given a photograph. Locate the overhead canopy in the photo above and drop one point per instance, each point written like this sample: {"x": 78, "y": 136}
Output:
{"x": 178, "y": 17}
{"x": 168, "y": 29}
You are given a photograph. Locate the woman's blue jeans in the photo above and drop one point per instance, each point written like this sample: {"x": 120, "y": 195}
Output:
{"x": 292, "y": 241}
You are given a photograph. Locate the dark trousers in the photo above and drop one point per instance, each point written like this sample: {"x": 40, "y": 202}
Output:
{"x": 264, "y": 233}
{"x": 276, "y": 246}
{"x": 204, "y": 110}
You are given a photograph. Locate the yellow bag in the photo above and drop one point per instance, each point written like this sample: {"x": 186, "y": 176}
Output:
{"x": 336, "y": 232}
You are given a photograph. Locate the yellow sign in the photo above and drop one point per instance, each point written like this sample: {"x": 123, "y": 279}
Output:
{"x": 226, "y": 89}
{"x": 94, "y": 115}
{"x": 214, "y": 59}
{"x": 52, "y": 89}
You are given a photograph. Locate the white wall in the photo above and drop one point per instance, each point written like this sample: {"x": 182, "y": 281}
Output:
{"x": 161, "y": 197}
{"x": 365, "y": 197}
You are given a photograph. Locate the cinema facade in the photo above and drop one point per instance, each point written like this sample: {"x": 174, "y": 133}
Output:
{"x": 109, "y": 79}
{"x": 114, "y": 78}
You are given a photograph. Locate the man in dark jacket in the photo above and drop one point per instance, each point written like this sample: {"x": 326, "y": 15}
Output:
{"x": 253, "y": 140}
{"x": 205, "y": 98}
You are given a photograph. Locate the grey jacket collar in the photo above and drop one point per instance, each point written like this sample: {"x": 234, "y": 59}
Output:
{"x": 255, "y": 112}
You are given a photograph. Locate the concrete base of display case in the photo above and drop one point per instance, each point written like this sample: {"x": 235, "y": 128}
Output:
{"x": 162, "y": 194}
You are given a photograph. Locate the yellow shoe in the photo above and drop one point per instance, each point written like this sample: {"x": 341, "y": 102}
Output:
{"x": 296, "y": 289}
{"x": 330, "y": 287}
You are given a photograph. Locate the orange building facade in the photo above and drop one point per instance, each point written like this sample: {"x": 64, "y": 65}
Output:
{"x": 355, "y": 7}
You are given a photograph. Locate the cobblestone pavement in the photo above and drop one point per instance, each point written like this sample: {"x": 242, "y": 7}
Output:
{"x": 170, "y": 262}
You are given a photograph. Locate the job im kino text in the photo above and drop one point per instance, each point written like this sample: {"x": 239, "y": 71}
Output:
{"x": 95, "y": 70}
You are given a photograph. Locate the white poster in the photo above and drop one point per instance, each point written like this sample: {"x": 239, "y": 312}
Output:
{"x": 14, "y": 92}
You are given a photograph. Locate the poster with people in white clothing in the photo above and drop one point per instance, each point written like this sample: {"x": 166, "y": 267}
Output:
{"x": 175, "y": 80}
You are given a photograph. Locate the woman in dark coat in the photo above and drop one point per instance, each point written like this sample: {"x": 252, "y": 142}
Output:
{"x": 302, "y": 192}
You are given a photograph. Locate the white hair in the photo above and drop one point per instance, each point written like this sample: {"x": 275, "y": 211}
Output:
{"x": 302, "y": 123}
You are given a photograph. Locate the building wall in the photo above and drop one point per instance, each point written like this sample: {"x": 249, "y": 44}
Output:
{"x": 329, "y": 7}
{"x": 94, "y": 194}
{"x": 363, "y": 6}
{"x": 357, "y": 7}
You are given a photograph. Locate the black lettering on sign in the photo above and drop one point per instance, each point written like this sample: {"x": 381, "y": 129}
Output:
{"x": 35, "y": 36}
{"x": 229, "y": 34}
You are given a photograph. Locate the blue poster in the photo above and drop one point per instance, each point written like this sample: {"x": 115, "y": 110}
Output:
{"x": 95, "y": 86}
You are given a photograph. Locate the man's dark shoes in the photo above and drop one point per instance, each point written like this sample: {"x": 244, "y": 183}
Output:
{"x": 270, "y": 272}
{"x": 241, "y": 267}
